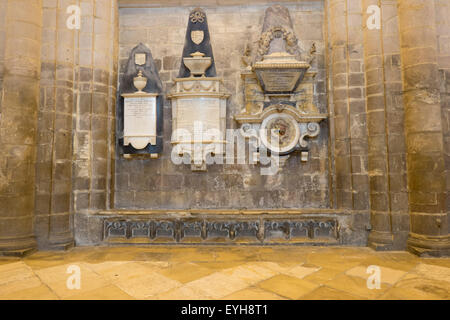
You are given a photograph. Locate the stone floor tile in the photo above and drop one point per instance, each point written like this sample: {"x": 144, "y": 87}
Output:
{"x": 218, "y": 285}
{"x": 253, "y": 293}
{"x": 356, "y": 286}
{"x": 432, "y": 272}
{"x": 220, "y": 265}
{"x": 323, "y": 275}
{"x": 287, "y": 286}
{"x": 301, "y": 271}
{"x": 109, "y": 292}
{"x": 186, "y": 272}
{"x": 147, "y": 286}
{"x": 387, "y": 275}
{"x": 250, "y": 273}
{"x": 184, "y": 293}
{"x": 14, "y": 271}
{"x": 38, "y": 292}
{"x": 11, "y": 287}
{"x": 417, "y": 288}
{"x": 327, "y": 293}
{"x": 121, "y": 270}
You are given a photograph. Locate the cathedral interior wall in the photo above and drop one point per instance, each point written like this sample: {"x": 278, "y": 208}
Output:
{"x": 159, "y": 184}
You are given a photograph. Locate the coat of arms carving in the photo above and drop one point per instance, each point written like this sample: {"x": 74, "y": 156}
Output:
{"x": 197, "y": 36}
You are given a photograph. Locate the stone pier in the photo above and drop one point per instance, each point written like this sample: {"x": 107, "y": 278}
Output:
{"x": 18, "y": 122}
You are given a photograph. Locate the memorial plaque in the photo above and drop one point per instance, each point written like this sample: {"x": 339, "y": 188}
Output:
{"x": 140, "y": 121}
{"x": 280, "y": 80}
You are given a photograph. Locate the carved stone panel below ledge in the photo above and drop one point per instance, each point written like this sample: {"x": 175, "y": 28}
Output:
{"x": 231, "y": 230}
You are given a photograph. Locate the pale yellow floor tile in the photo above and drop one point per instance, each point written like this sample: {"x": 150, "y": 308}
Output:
{"x": 61, "y": 273}
{"x": 40, "y": 292}
{"x": 236, "y": 254}
{"x": 326, "y": 293}
{"x": 218, "y": 285}
{"x": 387, "y": 275}
{"x": 356, "y": 286}
{"x": 220, "y": 265}
{"x": 403, "y": 261}
{"x": 301, "y": 271}
{"x": 184, "y": 293}
{"x": 432, "y": 272}
{"x": 8, "y": 288}
{"x": 323, "y": 275}
{"x": 119, "y": 270}
{"x": 277, "y": 267}
{"x": 418, "y": 289}
{"x": 15, "y": 271}
{"x": 253, "y": 294}
{"x": 87, "y": 283}
{"x": 287, "y": 286}
{"x": 443, "y": 262}
{"x": 250, "y": 273}
{"x": 147, "y": 286}
{"x": 186, "y": 272}
{"x": 109, "y": 292}
{"x": 333, "y": 260}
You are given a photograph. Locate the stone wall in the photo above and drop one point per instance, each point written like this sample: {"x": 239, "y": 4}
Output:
{"x": 153, "y": 184}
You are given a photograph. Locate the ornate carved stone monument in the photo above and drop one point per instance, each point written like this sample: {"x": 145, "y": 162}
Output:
{"x": 140, "y": 109}
{"x": 278, "y": 89}
{"x": 198, "y": 101}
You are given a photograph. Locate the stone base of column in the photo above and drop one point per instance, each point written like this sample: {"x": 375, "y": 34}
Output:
{"x": 380, "y": 241}
{"x": 435, "y": 246}
{"x": 63, "y": 242}
{"x": 18, "y": 247}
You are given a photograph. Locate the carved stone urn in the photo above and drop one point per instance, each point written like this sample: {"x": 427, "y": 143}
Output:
{"x": 140, "y": 82}
{"x": 198, "y": 64}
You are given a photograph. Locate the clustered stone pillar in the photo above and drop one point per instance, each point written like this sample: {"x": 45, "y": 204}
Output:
{"x": 54, "y": 157}
{"x": 19, "y": 105}
{"x": 94, "y": 131}
{"x": 349, "y": 110}
{"x": 423, "y": 128}
{"x": 380, "y": 237}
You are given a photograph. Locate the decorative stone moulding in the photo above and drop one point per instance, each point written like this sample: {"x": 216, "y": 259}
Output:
{"x": 199, "y": 103}
{"x": 310, "y": 230}
{"x": 279, "y": 113}
{"x": 140, "y": 111}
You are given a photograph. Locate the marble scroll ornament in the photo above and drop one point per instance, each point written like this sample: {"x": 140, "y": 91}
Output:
{"x": 278, "y": 90}
{"x": 198, "y": 100}
{"x": 140, "y": 111}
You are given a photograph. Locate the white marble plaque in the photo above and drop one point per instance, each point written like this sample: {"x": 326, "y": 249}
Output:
{"x": 194, "y": 114}
{"x": 140, "y": 121}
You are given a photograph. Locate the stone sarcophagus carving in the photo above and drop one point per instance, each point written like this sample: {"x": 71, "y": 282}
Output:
{"x": 140, "y": 111}
{"x": 278, "y": 89}
{"x": 199, "y": 103}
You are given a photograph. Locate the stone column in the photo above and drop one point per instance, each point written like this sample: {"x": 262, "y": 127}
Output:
{"x": 423, "y": 128}
{"x": 19, "y": 105}
{"x": 94, "y": 131}
{"x": 348, "y": 109}
{"x": 54, "y": 157}
{"x": 380, "y": 237}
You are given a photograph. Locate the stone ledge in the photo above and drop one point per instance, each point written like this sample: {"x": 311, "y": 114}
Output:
{"x": 299, "y": 226}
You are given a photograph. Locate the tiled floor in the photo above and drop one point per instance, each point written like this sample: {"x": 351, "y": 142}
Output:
{"x": 257, "y": 273}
